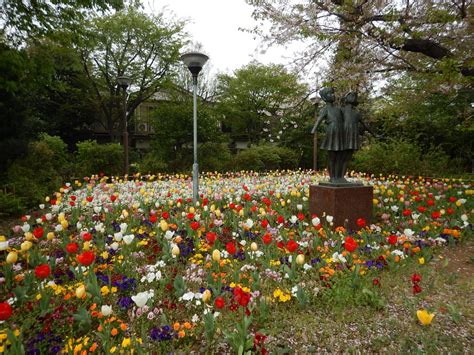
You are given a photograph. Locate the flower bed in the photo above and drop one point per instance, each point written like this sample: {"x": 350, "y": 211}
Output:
{"x": 111, "y": 266}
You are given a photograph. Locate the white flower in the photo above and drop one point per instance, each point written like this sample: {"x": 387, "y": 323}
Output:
{"x": 97, "y": 209}
{"x": 128, "y": 239}
{"x": 106, "y": 310}
{"x": 114, "y": 245}
{"x": 408, "y": 232}
{"x": 169, "y": 234}
{"x": 188, "y": 296}
{"x": 123, "y": 227}
{"x": 306, "y": 267}
{"x": 142, "y": 298}
{"x": 329, "y": 218}
{"x": 293, "y": 219}
{"x": 339, "y": 257}
{"x": 49, "y": 216}
{"x": 249, "y": 223}
{"x": 464, "y": 218}
{"x": 26, "y": 228}
{"x": 195, "y": 318}
{"x": 299, "y": 207}
{"x": 394, "y": 208}
{"x": 316, "y": 221}
{"x": 4, "y": 245}
{"x": 58, "y": 228}
{"x": 118, "y": 236}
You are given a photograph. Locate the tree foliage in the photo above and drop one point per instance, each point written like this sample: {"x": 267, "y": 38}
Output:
{"x": 259, "y": 101}
{"x": 128, "y": 43}
{"x": 23, "y": 19}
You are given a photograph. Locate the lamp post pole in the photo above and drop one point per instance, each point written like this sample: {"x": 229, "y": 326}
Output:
{"x": 195, "y": 61}
{"x": 124, "y": 82}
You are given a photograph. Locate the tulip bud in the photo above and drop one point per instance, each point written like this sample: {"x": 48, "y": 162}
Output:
{"x": 192, "y": 210}
{"x": 80, "y": 291}
{"x": 300, "y": 259}
{"x": 87, "y": 245}
{"x": 50, "y": 235}
{"x": 253, "y": 246}
{"x": 164, "y": 225}
{"x": 26, "y": 245}
{"x": 64, "y": 224}
{"x": 29, "y": 236}
{"x": 216, "y": 255}
{"x": 206, "y": 296}
{"x": 175, "y": 250}
{"x": 12, "y": 257}
{"x": 218, "y": 213}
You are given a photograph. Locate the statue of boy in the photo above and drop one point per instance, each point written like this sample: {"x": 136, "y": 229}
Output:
{"x": 333, "y": 141}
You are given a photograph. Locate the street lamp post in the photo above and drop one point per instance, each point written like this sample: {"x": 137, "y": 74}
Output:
{"x": 195, "y": 61}
{"x": 315, "y": 101}
{"x": 124, "y": 82}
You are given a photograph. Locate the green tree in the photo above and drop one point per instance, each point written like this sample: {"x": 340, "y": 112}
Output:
{"x": 259, "y": 101}
{"x": 24, "y": 19}
{"x": 173, "y": 125}
{"x": 128, "y": 43}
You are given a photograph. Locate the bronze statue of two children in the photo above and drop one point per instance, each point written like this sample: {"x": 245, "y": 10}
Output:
{"x": 342, "y": 132}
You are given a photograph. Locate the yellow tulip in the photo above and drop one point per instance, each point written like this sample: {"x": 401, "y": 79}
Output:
{"x": 424, "y": 317}
{"x": 12, "y": 257}
{"x": 300, "y": 259}
{"x": 80, "y": 291}
{"x": 175, "y": 250}
{"x": 26, "y": 245}
{"x": 421, "y": 260}
{"x": 191, "y": 210}
{"x": 50, "y": 236}
{"x": 164, "y": 225}
{"x": 216, "y": 255}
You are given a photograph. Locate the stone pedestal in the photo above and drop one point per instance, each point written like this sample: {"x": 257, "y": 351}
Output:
{"x": 346, "y": 203}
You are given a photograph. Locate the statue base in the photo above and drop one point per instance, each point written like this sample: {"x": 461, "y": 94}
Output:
{"x": 345, "y": 202}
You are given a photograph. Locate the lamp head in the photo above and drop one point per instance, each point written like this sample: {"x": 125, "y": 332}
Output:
{"x": 194, "y": 61}
{"x": 123, "y": 81}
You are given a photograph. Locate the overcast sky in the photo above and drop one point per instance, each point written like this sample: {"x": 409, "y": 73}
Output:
{"x": 215, "y": 24}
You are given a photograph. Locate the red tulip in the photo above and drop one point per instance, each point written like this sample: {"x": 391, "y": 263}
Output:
{"x": 230, "y": 247}
{"x": 165, "y": 215}
{"x": 38, "y": 232}
{"x": 416, "y": 289}
{"x": 392, "y": 239}
{"x": 406, "y": 212}
{"x": 219, "y": 302}
{"x": 267, "y": 239}
{"x": 153, "y": 218}
{"x": 350, "y": 245}
{"x": 280, "y": 220}
{"x": 241, "y": 297}
{"x": 87, "y": 237}
{"x": 435, "y": 214}
{"x": 211, "y": 237}
{"x": 5, "y": 311}
{"x": 86, "y": 258}
{"x": 72, "y": 248}
{"x": 190, "y": 216}
{"x": 264, "y": 223}
{"x": 361, "y": 222}
{"x": 291, "y": 246}
{"x": 195, "y": 225}
{"x": 416, "y": 278}
{"x": 113, "y": 198}
{"x": 42, "y": 271}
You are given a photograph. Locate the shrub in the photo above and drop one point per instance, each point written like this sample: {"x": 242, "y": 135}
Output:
{"x": 214, "y": 157}
{"x": 39, "y": 173}
{"x": 151, "y": 163}
{"x": 402, "y": 158}
{"x": 93, "y": 158}
{"x": 266, "y": 157}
